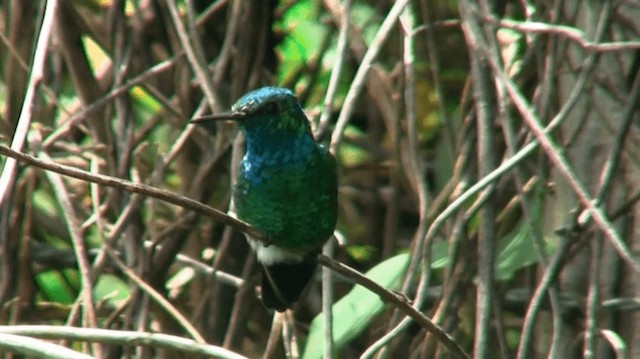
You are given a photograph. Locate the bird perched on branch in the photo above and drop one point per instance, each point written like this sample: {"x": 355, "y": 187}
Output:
{"x": 286, "y": 187}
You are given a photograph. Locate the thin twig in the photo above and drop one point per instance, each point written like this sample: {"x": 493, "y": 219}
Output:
{"x": 239, "y": 313}
{"x": 593, "y": 298}
{"x": 323, "y": 124}
{"x": 554, "y": 153}
{"x": 77, "y": 239}
{"x": 484, "y": 105}
{"x": 361, "y": 75}
{"x": 327, "y": 300}
{"x": 11, "y": 343}
{"x": 157, "y": 297}
{"x": 139, "y": 188}
{"x": 535, "y": 304}
{"x": 196, "y": 62}
{"x": 526, "y": 206}
{"x": 576, "y": 35}
{"x": 415, "y": 173}
{"x": 336, "y": 71}
{"x": 398, "y": 301}
{"x": 121, "y": 337}
{"x": 274, "y": 336}
{"x": 37, "y": 73}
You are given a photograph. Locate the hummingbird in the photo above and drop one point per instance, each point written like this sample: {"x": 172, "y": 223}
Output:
{"x": 286, "y": 187}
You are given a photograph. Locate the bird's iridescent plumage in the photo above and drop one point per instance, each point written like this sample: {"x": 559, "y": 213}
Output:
{"x": 287, "y": 187}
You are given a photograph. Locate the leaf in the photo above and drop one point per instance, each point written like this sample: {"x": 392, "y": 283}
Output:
{"x": 111, "y": 289}
{"x": 439, "y": 254}
{"x": 54, "y": 287}
{"x": 353, "y": 313}
{"x": 365, "y": 18}
{"x": 145, "y": 104}
{"x": 361, "y": 253}
{"x": 95, "y": 54}
{"x": 516, "y": 249}
{"x": 616, "y": 342}
{"x": 303, "y": 28}
{"x": 512, "y": 47}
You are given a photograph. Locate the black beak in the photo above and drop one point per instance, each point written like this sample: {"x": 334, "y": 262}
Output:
{"x": 227, "y": 116}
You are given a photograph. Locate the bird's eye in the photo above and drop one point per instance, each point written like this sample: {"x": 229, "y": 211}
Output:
{"x": 270, "y": 108}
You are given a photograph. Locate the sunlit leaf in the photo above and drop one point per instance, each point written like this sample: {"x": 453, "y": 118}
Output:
{"x": 97, "y": 56}
{"x": 361, "y": 253}
{"x": 145, "y": 103}
{"x": 353, "y": 313}
{"x": 616, "y": 342}
{"x": 364, "y": 16}
{"x": 303, "y": 30}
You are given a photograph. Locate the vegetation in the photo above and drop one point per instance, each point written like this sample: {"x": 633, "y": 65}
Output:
{"x": 489, "y": 177}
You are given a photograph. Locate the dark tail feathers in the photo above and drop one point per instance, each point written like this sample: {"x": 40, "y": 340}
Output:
{"x": 283, "y": 284}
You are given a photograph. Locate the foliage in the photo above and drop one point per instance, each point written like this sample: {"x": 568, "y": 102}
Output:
{"x": 489, "y": 148}
{"x": 356, "y": 310}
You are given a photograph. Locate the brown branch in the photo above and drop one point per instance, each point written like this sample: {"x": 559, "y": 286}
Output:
{"x": 139, "y": 188}
{"x": 397, "y": 300}
{"x": 571, "y": 33}
{"x": 168, "y": 196}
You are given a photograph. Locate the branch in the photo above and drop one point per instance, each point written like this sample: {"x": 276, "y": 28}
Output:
{"x": 361, "y": 75}
{"x": 139, "y": 188}
{"x": 37, "y": 73}
{"x": 168, "y": 196}
{"x": 571, "y": 33}
{"x": 554, "y": 152}
{"x": 120, "y": 337}
{"x": 37, "y": 348}
{"x": 397, "y": 300}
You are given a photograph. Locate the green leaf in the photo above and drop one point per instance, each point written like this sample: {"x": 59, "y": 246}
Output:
{"x": 516, "y": 249}
{"x": 616, "y": 342}
{"x": 353, "y": 313}
{"x": 303, "y": 28}
{"x": 439, "y": 254}
{"x": 111, "y": 289}
{"x": 54, "y": 287}
{"x": 145, "y": 104}
{"x": 365, "y": 18}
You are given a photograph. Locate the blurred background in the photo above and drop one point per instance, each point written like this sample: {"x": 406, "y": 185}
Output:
{"x": 489, "y": 171}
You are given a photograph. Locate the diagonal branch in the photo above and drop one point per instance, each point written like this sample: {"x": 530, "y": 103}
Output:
{"x": 555, "y": 155}
{"x": 139, "y": 188}
{"x": 168, "y": 196}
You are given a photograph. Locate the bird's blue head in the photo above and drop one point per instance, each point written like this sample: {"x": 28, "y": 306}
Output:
{"x": 270, "y": 117}
{"x": 270, "y": 110}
